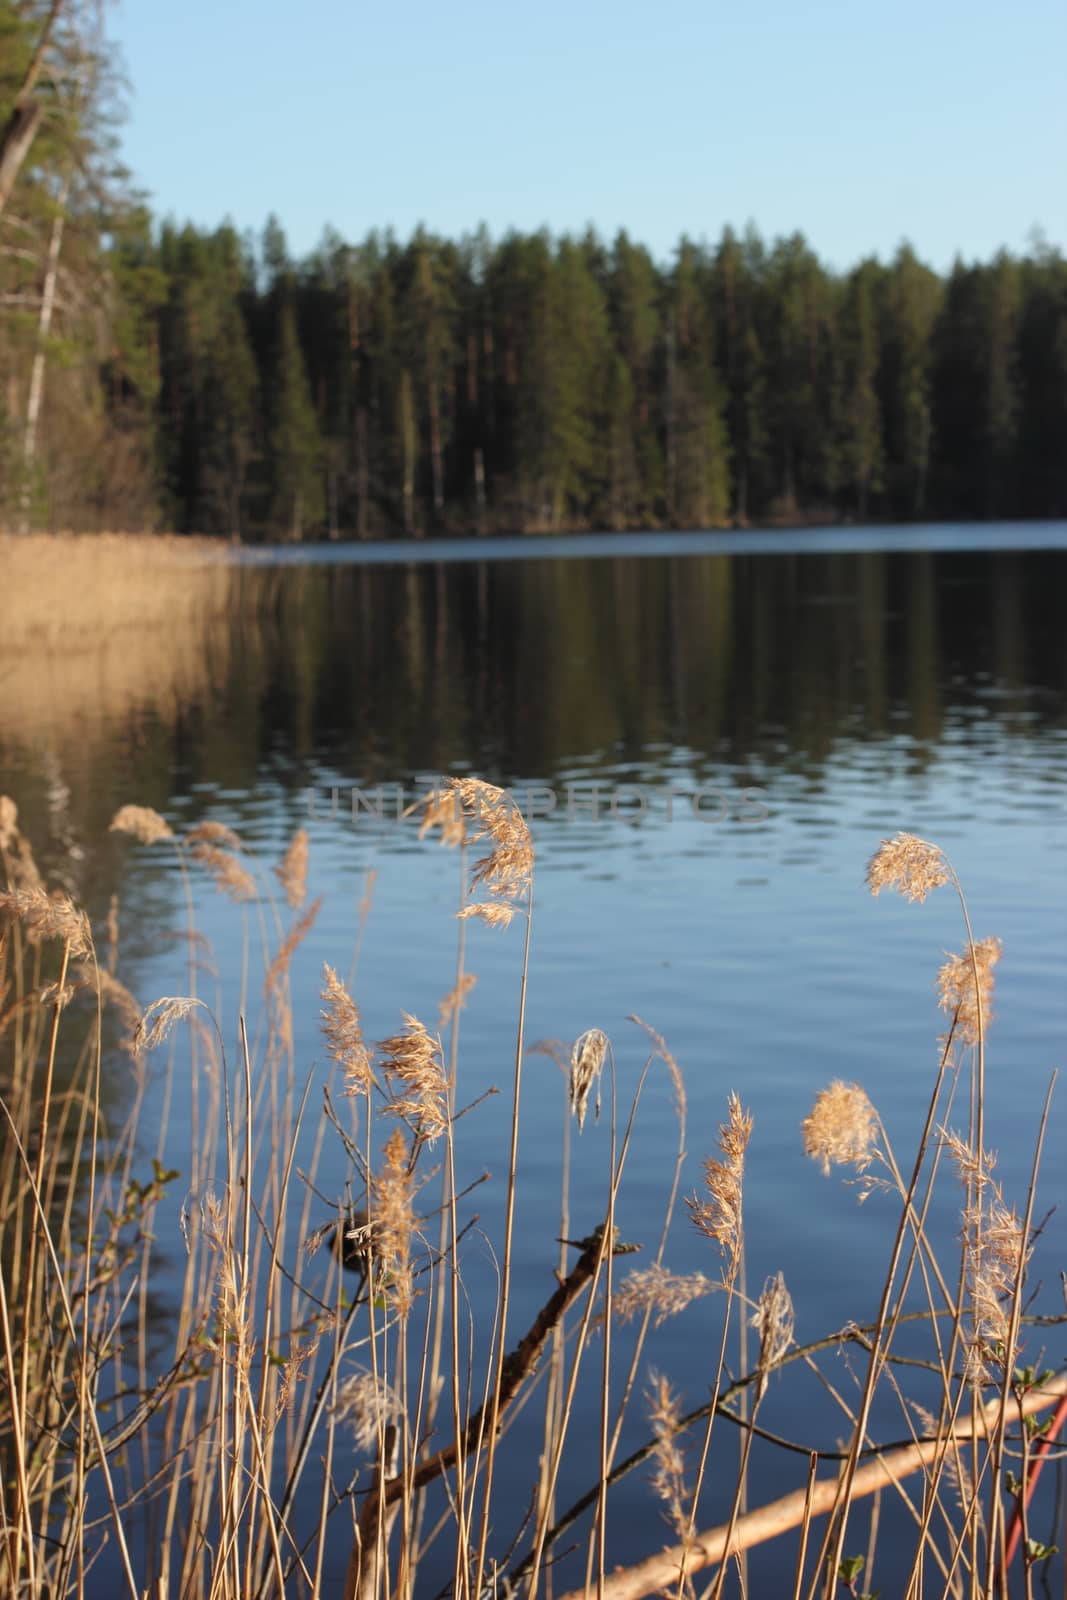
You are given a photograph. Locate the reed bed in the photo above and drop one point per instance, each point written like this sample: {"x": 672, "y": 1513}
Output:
{"x": 65, "y": 588}
{"x": 101, "y": 625}
{"x": 330, "y": 1417}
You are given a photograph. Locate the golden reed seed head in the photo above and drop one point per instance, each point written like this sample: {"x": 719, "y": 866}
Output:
{"x": 292, "y": 870}
{"x": 48, "y": 916}
{"x": 659, "y": 1048}
{"x": 841, "y": 1128}
{"x": 160, "y": 1018}
{"x": 657, "y": 1290}
{"x": 443, "y": 809}
{"x": 342, "y": 1030}
{"x": 996, "y": 1253}
{"x": 9, "y": 822}
{"x": 273, "y": 983}
{"x": 908, "y": 864}
{"x": 668, "y": 1474}
{"x": 969, "y": 1005}
{"x": 507, "y": 870}
{"x": 142, "y": 823}
{"x": 775, "y": 1319}
{"x": 494, "y": 913}
{"x": 412, "y": 1060}
{"x": 556, "y": 1050}
{"x": 717, "y": 1214}
{"x": 455, "y": 999}
{"x": 226, "y": 871}
{"x": 216, "y": 833}
{"x": 368, "y": 1405}
{"x": 587, "y": 1062}
{"x": 392, "y": 1191}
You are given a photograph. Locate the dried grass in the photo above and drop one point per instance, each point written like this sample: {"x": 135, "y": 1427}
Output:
{"x": 588, "y": 1055}
{"x": 911, "y": 865}
{"x": 841, "y": 1128}
{"x": 659, "y": 1291}
{"x": 63, "y": 589}
{"x": 142, "y": 823}
{"x": 292, "y": 870}
{"x": 343, "y": 1032}
{"x": 262, "y": 1386}
{"x": 414, "y": 1067}
{"x": 965, "y": 989}
{"x": 48, "y": 916}
{"x": 98, "y": 627}
{"x": 717, "y": 1213}
{"x": 228, "y": 874}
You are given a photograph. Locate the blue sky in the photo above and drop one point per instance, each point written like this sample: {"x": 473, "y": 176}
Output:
{"x": 861, "y": 124}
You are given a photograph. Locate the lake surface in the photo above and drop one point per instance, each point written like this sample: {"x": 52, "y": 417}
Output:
{"x": 815, "y": 692}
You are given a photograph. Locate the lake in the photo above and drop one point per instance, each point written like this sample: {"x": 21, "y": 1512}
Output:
{"x": 711, "y": 734}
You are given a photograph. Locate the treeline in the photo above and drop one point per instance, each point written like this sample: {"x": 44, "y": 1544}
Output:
{"x": 208, "y": 382}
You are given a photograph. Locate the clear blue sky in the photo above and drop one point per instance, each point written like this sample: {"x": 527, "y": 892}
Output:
{"x": 860, "y": 123}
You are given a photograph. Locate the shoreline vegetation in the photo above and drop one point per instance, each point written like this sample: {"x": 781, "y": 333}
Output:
{"x": 95, "y": 626}
{"x": 528, "y": 384}
{"x": 307, "y": 1419}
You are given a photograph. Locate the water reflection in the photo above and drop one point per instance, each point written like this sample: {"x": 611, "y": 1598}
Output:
{"x": 857, "y": 692}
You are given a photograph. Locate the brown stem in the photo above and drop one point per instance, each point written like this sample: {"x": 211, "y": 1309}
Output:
{"x": 517, "y": 1367}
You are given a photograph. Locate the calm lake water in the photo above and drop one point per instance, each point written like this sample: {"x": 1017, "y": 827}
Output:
{"x": 818, "y": 692}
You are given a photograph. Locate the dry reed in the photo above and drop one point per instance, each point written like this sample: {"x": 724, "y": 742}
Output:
{"x": 717, "y": 1213}
{"x": 841, "y": 1128}
{"x": 260, "y": 1394}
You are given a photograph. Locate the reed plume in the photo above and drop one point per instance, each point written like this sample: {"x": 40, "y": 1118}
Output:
{"x": 217, "y": 833}
{"x": 587, "y": 1063}
{"x": 908, "y": 864}
{"x": 412, "y": 1061}
{"x": 279, "y": 967}
{"x": 292, "y": 870}
{"x": 505, "y": 872}
{"x": 455, "y": 999}
{"x": 841, "y": 1128}
{"x": 9, "y": 818}
{"x": 659, "y": 1291}
{"x": 228, "y": 873}
{"x": 995, "y": 1252}
{"x": 965, "y": 989}
{"x": 668, "y": 1475}
{"x": 141, "y": 823}
{"x": 160, "y": 1018}
{"x": 343, "y": 1032}
{"x": 443, "y": 808}
{"x": 368, "y": 1405}
{"x": 717, "y": 1215}
{"x": 494, "y": 913}
{"x": 775, "y": 1320}
{"x": 392, "y": 1208}
{"x": 48, "y": 916}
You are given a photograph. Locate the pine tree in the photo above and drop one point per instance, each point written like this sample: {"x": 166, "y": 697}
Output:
{"x": 698, "y": 468}
{"x": 297, "y": 501}
{"x": 911, "y": 304}
{"x": 861, "y": 459}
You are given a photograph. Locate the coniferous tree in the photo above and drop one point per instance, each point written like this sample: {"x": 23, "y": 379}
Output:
{"x": 295, "y": 444}
{"x": 698, "y": 469}
{"x": 911, "y": 304}
{"x": 860, "y": 457}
